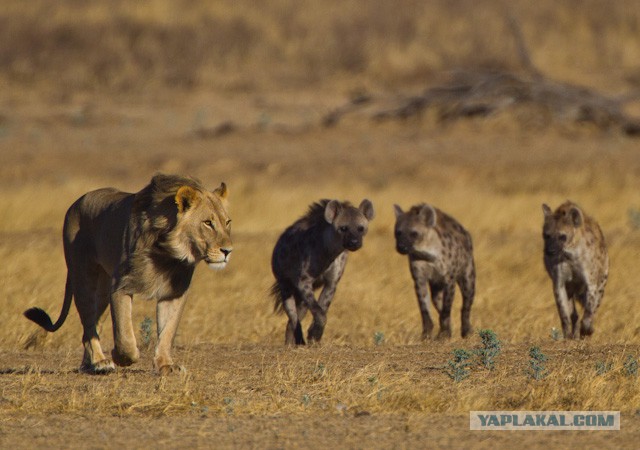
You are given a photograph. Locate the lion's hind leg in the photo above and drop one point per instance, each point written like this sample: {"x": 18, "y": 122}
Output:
{"x": 87, "y": 286}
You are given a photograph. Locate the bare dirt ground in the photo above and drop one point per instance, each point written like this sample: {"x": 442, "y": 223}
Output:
{"x": 109, "y": 93}
{"x": 230, "y": 399}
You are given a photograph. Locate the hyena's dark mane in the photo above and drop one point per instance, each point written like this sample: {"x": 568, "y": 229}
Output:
{"x": 315, "y": 215}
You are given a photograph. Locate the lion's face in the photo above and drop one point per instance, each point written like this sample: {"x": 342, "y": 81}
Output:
{"x": 562, "y": 229}
{"x": 203, "y": 227}
{"x": 416, "y": 234}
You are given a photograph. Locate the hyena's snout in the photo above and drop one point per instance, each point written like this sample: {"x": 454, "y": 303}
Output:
{"x": 353, "y": 243}
{"x": 403, "y": 245}
{"x": 552, "y": 247}
{"x": 402, "y": 248}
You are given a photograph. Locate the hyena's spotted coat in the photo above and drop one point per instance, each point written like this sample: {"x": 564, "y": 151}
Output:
{"x": 440, "y": 255}
{"x": 576, "y": 259}
{"x": 312, "y": 253}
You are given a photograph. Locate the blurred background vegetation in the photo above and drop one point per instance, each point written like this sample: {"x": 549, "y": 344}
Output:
{"x": 244, "y": 45}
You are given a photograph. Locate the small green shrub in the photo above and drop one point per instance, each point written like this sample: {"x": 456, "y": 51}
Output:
{"x": 630, "y": 366}
{"x": 603, "y": 367}
{"x": 537, "y": 369}
{"x": 378, "y": 338}
{"x": 491, "y": 347}
{"x": 458, "y": 368}
{"x": 146, "y": 331}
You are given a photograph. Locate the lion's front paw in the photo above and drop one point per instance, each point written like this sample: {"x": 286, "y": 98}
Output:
{"x": 168, "y": 369}
{"x": 103, "y": 367}
{"x": 124, "y": 359}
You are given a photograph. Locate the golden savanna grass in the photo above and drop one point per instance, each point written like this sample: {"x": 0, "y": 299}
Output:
{"x": 109, "y": 93}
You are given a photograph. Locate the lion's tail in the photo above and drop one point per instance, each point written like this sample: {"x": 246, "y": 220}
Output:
{"x": 40, "y": 317}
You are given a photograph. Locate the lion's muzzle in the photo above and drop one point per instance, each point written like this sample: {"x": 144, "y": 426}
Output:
{"x": 219, "y": 263}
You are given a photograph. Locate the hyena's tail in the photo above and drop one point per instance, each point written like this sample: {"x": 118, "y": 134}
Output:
{"x": 278, "y": 297}
{"x": 40, "y": 317}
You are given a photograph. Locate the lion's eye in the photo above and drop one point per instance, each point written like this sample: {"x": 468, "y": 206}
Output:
{"x": 228, "y": 223}
{"x": 209, "y": 224}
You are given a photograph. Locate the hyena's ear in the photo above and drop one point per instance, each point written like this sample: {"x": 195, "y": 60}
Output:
{"x": 398, "y": 211}
{"x": 366, "y": 208}
{"x": 186, "y": 197}
{"x": 428, "y": 215}
{"x": 331, "y": 210}
{"x": 223, "y": 193}
{"x": 576, "y": 216}
{"x": 546, "y": 210}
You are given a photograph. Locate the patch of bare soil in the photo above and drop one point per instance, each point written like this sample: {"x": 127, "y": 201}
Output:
{"x": 270, "y": 397}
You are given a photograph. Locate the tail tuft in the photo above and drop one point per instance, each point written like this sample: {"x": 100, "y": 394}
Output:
{"x": 276, "y": 293}
{"x": 40, "y": 317}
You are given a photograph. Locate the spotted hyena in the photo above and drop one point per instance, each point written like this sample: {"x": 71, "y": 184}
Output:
{"x": 575, "y": 256}
{"x": 312, "y": 253}
{"x": 440, "y": 255}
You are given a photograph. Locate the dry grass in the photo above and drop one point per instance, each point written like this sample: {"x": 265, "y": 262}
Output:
{"x": 260, "y": 380}
{"x": 244, "y": 45}
{"x": 111, "y": 116}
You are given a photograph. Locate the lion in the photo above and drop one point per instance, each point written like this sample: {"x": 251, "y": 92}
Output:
{"x": 118, "y": 245}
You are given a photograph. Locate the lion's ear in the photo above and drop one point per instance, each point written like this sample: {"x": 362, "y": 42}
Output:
{"x": 222, "y": 192}
{"x": 186, "y": 197}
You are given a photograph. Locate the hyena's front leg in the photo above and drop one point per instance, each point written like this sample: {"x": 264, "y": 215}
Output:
{"x": 575, "y": 329}
{"x": 305, "y": 291}
{"x": 316, "y": 330}
{"x": 445, "y": 313}
{"x": 332, "y": 277}
{"x": 565, "y": 308}
{"x": 591, "y": 304}
{"x": 293, "y": 333}
{"x": 423, "y": 292}
{"x": 468, "y": 290}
